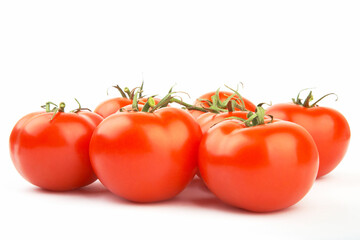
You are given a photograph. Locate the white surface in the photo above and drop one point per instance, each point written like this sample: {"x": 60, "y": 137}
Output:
{"x": 60, "y": 50}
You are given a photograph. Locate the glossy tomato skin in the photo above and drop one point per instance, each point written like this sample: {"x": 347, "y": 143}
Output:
{"x": 328, "y": 127}
{"x": 146, "y": 157}
{"x": 223, "y": 95}
{"x": 53, "y": 154}
{"x": 15, "y": 132}
{"x": 91, "y": 117}
{"x": 113, "y": 105}
{"x": 263, "y": 168}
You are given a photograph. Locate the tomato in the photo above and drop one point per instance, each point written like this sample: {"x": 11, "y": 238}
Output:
{"x": 327, "y": 126}
{"x": 146, "y": 157}
{"x": 51, "y": 151}
{"x": 261, "y": 168}
{"x": 223, "y": 95}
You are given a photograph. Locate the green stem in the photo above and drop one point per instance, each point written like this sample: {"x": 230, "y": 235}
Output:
{"x": 135, "y": 106}
{"x": 230, "y": 106}
{"x": 150, "y": 103}
{"x": 61, "y": 107}
{"x": 79, "y": 108}
{"x": 128, "y": 92}
{"x": 121, "y": 91}
{"x": 47, "y": 106}
{"x": 242, "y": 103}
{"x": 141, "y": 89}
{"x": 254, "y": 118}
{"x": 309, "y": 98}
{"x": 192, "y": 107}
{"x": 314, "y": 104}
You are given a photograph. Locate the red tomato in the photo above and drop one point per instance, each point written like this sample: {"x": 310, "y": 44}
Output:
{"x": 53, "y": 154}
{"x": 113, "y": 105}
{"x": 327, "y": 126}
{"x": 146, "y": 157}
{"x": 262, "y": 168}
{"x": 223, "y": 95}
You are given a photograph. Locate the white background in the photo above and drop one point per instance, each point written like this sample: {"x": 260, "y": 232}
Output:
{"x": 58, "y": 50}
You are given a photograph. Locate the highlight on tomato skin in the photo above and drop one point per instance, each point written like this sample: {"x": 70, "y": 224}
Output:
{"x": 328, "y": 127}
{"x": 262, "y": 167}
{"x": 50, "y": 148}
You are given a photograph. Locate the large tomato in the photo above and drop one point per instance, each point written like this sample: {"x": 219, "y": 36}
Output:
{"x": 260, "y": 168}
{"x": 327, "y": 126}
{"x": 51, "y": 151}
{"x": 223, "y": 95}
{"x": 146, "y": 157}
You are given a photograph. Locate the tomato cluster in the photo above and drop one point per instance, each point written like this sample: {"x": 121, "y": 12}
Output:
{"x": 146, "y": 150}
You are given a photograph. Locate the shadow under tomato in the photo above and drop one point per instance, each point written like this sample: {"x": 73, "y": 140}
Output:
{"x": 92, "y": 190}
{"x": 196, "y": 194}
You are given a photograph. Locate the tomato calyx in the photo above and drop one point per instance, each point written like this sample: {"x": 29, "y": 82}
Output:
{"x": 150, "y": 103}
{"x": 47, "y": 106}
{"x": 234, "y": 99}
{"x": 309, "y": 98}
{"x": 255, "y": 118}
{"x": 55, "y": 109}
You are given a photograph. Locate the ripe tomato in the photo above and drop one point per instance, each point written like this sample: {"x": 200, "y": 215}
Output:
{"x": 146, "y": 157}
{"x": 327, "y": 126}
{"x": 223, "y": 95}
{"x": 262, "y": 168}
{"x": 51, "y": 151}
